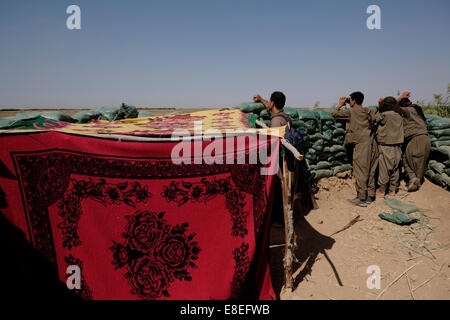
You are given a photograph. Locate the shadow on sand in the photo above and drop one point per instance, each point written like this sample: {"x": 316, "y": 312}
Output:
{"x": 310, "y": 243}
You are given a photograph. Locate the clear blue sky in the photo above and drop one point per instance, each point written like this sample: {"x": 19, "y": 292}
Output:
{"x": 213, "y": 53}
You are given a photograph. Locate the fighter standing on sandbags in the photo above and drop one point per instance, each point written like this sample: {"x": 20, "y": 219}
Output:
{"x": 389, "y": 135}
{"x": 358, "y": 136}
{"x": 417, "y": 145}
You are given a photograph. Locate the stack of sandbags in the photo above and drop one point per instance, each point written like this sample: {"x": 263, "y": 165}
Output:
{"x": 438, "y": 170}
{"x": 110, "y": 114}
{"x": 438, "y": 130}
{"x": 26, "y": 120}
{"x": 326, "y": 155}
{"x": 323, "y": 147}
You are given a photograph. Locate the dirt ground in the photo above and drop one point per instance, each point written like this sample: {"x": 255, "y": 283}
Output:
{"x": 335, "y": 266}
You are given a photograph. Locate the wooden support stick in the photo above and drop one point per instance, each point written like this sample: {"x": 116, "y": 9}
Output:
{"x": 290, "y": 243}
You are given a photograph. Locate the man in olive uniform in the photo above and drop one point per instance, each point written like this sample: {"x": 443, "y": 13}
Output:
{"x": 417, "y": 143}
{"x": 374, "y": 155}
{"x": 389, "y": 135}
{"x": 278, "y": 118}
{"x": 358, "y": 134}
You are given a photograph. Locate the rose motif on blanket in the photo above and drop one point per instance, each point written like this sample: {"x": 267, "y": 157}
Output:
{"x": 205, "y": 190}
{"x": 105, "y": 193}
{"x": 155, "y": 254}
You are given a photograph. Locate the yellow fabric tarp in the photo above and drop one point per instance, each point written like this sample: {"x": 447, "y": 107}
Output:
{"x": 211, "y": 121}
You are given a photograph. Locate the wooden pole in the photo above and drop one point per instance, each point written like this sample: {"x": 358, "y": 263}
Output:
{"x": 290, "y": 239}
{"x": 286, "y": 178}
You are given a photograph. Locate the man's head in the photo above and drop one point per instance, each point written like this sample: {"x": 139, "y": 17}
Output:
{"x": 356, "y": 98}
{"x": 405, "y": 102}
{"x": 277, "y": 100}
{"x": 391, "y": 104}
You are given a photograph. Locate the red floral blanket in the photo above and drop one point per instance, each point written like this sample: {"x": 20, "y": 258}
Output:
{"x": 138, "y": 225}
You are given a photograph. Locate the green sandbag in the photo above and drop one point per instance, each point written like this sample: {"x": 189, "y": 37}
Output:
{"x": 296, "y": 123}
{"x": 54, "y": 115}
{"x": 318, "y": 145}
{"x": 264, "y": 114}
{"x": 108, "y": 114}
{"x": 340, "y": 155}
{"x": 338, "y": 140}
{"x": 29, "y": 123}
{"x": 312, "y": 151}
{"x": 432, "y": 138}
{"x": 342, "y": 168}
{"x": 335, "y": 163}
{"x": 251, "y": 107}
{"x": 328, "y": 137}
{"x": 447, "y": 171}
{"x": 307, "y": 114}
{"x": 447, "y": 163}
{"x": 5, "y": 122}
{"x": 319, "y": 174}
{"x": 328, "y": 134}
{"x": 86, "y": 116}
{"x": 291, "y": 112}
{"x": 323, "y": 165}
{"x": 339, "y": 132}
{"x": 435, "y": 178}
{"x": 437, "y": 123}
{"x": 445, "y": 150}
{"x": 442, "y": 180}
{"x": 446, "y": 179}
{"x": 339, "y": 124}
{"x": 338, "y": 160}
{"x": 330, "y": 123}
{"x": 313, "y": 123}
{"x": 324, "y": 156}
{"x": 437, "y": 166}
{"x": 127, "y": 112}
{"x": 311, "y": 158}
{"x": 324, "y": 115}
{"x": 440, "y": 133}
{"x": 402, "y": 206}
{"x": 316, "y": 136}
{"x": 145, "y": 114}
{"x": 334, "y": 149}
{"x": 397, "y": 218}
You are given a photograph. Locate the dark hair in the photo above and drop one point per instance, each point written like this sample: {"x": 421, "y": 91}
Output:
{"x": 279, "y": 99}
{"x": 405, "y": 102}
{"x": 390, "y": 104}
{"x": 358, "y": 97}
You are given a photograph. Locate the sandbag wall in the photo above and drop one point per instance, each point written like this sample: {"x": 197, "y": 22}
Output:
{"x": 438, "y": 170}
{"x": 26, "y": 119}
{"x": 323, "y": 145}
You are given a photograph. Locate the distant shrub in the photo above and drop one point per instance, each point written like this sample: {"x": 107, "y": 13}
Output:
{"x": 439, "y": 106}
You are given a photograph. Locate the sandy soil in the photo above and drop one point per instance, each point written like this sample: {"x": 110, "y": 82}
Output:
{"x": 334, "y": 267}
